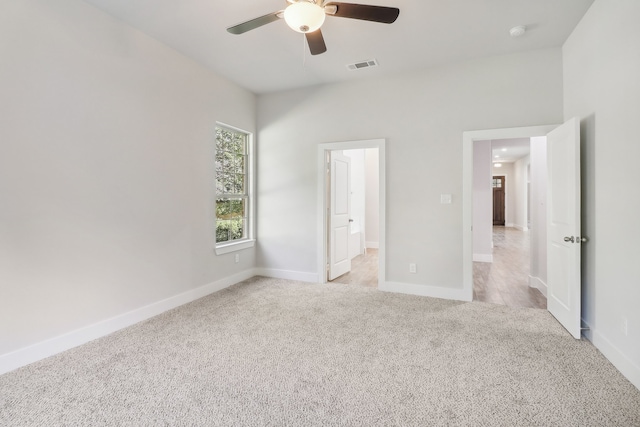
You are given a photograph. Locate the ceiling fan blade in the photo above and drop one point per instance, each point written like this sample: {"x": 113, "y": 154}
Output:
{"x": 385, "y": 15}
{"x": 316, "y": 42}
{"x": 255, "y": 23}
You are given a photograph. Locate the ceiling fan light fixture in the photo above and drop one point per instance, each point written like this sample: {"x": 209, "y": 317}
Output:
{"x": 517, "y": 31}
{"x": 304, "y": 17}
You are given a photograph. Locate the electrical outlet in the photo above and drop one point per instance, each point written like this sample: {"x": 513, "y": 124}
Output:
{"x": 625, "y": 326}
{"x": 237, "y": 258}
{"x": 412, "y": 268}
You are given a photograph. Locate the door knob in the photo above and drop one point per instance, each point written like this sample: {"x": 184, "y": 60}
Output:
{"x": 569, "y": 239}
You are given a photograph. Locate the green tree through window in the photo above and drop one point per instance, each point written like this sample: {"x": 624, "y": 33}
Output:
{"x": 232, "y": 195}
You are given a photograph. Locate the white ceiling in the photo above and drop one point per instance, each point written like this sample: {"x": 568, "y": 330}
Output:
{"x": 509, "y": 150}
{"x": 270, "y": 58}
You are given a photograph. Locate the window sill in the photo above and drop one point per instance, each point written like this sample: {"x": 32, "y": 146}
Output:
{"x": 235, "y": 246}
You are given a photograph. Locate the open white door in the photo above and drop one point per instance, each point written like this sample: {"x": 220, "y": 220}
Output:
{"x": 340, "y": 209}
{"x": 563, "y": 225}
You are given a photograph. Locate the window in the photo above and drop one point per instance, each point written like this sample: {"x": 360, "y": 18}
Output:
{"x": 233, "y": 201}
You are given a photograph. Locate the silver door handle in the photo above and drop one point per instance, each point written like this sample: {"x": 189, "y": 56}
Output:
{"x": 350, "y": 220}
{"x": 569, "y": 239}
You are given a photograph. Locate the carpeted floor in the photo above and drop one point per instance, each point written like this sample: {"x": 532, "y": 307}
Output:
{"x": 283, "y": 353}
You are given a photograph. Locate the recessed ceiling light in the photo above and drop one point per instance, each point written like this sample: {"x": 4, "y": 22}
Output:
{"x": 504, "y": 149}
{"x": 497, "y": 165}
{"x": 496, "y": 156}
{"x": 517, "y": 31}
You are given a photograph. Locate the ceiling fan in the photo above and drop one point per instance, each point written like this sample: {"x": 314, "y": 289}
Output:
{"x": 307, "y": 16}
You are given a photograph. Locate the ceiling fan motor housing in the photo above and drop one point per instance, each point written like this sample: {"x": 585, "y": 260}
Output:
{"x": 307, "y": 16}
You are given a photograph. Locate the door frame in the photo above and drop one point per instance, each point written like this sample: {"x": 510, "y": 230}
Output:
{"x": 468, "y": 138}
{"x": 321, "y": 234}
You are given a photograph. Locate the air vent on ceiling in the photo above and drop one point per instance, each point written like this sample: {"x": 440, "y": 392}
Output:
{"x": 363, "y": 64}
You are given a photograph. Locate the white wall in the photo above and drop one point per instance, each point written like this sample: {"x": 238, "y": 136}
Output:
{"x": 106, "y": 148}
{"x": 482, "y": 202}
{"x": 601, "y": 87}
{"x": 372, "y": 198}
{"x": 520, "y": 192}
{"x": 538, "y": 232}
{"x": 422, "y": 115}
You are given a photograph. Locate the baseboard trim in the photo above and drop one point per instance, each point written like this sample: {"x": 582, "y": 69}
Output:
{"x": 38, "y": 351}
{"x": 625, "y": 365}
{"x": 426, "y": 291}
{"x": 536, "y": 282}
{"x": 482, "y": 258}
{"x": 521, "y": 227}
{"x": 287, "y": 274}
{"x": 371, "y": 245}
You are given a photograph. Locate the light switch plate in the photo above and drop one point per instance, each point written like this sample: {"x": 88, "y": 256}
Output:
{"x": 445, "y": 199}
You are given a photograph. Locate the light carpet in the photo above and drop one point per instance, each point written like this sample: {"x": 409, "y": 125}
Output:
{"x": 284, "y": 353}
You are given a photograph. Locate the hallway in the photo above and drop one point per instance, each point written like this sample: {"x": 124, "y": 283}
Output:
{"x": 506, "y": 280}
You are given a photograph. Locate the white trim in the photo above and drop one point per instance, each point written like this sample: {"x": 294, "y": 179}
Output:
{"x": 371, "y": 245}
{"x": 626, "y": 366}
{"x": 287, "y": 274}
{"x": 510, "y": 224}
{"x": 520, "y": 227}
{"x": 235, "y": 246}
{"x": 536, "y": 282}
{"x": 425, "y": 290}
{"x": 483, "y": 257}
{"x": 467, "y": 189}
{"x": 380, "y": 144}
{"x": 66, "y": 341}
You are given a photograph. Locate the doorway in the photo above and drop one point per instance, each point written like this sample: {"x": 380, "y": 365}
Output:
{"x": 357, "y": 241}
{"x": 518, "y": 210}
{"x": 561, "y": 232}
{"x": 503, "y": 243}
{"x": 361, "y": 239}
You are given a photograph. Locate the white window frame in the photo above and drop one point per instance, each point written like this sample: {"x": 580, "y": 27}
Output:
{"x": 248, "y": 241}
